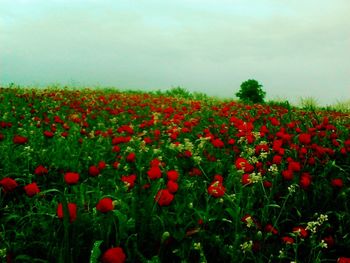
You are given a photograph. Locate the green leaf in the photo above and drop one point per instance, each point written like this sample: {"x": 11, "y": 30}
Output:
{"x": 95, "y": 252}
{"x": 274, "y": 205}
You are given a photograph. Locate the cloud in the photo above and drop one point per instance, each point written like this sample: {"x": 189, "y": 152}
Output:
{"x": 294, "y": 49}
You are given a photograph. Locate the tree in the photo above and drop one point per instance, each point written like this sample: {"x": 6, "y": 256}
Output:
{"x": 251, "y": 91}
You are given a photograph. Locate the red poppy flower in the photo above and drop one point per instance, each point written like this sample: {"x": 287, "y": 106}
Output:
{"x": 246, "y": 179}
{"x": 287, "y": 240}
{"x": 305, "y": 138}
{"x": 287, "y": 175}
{"x": 277, "y": 159}
{"x": 101, "y": 165}
{"x": 172, "y": 175}
{"x": 40, "y": 170}
{"x": 329, "y": 240}
{"x": 72, "y": 209}
{"x": 188, "y": 154}
{"x": 114, "y": 255}
{"x": 216, "y": 189}
{"x": 305, "y": 180}
{"x": 243, "y": 164}
{"x": 172, "y": 187}
{"x": 105, "y": 205}
{"x": 270, "y": 229}
{"x": 8, "y": 184}
{"x": 343, "y": 260}
{"x": 129, "y": 180}
{"x": 154, "y": 173}
{"x": 155, "y": 162}
{"x": 267, "y": 184}
{"x": 94, "y": 171}
{"x": 218, "y": 143}
{"x": 337, "y": 182}
{"x": 131, "y": 157}
{"x": 294, "y": 166}
{"x": 71, "y": 178}
{"x": 48, "y": 134}
{"x": 17, "y": 139}
{"x": 31, "y": 189}
{"x": 195, "y": 172}
{"x": 301, "y": 231}
{"x": 164, "y": 197}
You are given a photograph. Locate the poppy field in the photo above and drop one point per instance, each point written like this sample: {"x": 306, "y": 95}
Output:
{"x": 107, "y": 176}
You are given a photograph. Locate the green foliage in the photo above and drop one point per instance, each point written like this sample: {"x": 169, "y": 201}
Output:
{"x": 178, "y": 92}
{"x": 198, "y": 225}
{"x": 251, "y": 91}
{"x": 308, "y": 103}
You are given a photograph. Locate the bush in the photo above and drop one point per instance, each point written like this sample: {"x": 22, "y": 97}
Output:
{"x": 251, "y": 91}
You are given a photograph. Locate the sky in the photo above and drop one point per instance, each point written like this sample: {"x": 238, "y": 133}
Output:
{"x": 293, "y": 48}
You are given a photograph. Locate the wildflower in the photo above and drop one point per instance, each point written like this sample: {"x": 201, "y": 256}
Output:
{"x": 8, "y": 184}
{"x": 172, "y": 175}
{"x": 48, "y": 134}
{"x": 17, "y": 139}
{"x": 243, "y": 164}
{"x": 129, "y": 180}
{"x": 131, "y": 157}
{"x": 218, "y": 143}
{"x": 94, "y": 171}
{"x": 343, "y": 260}
{"x": 305, "y": 138}
{"x": 337, "y": 182}
{"x": 294, "y": 166}
{"x": 195, "y": 172}
{"x": 172, "y": 186}
{"x": 313, "y": 225}
{"x": 40, "y": 170}
{"x": 270, "y": 229}
{"x": 154, "y": 172}
{"x": 301, "y": 231}
{"x": 114, "y": 255}
{"x": 164, "y": 197}
{"x": 287, "y": 240}
{"x": 72, "y": 210}
{"x": 105, "y": 205}
{"x": 246, "y": 179}
{"x": 31, "y": 189}
{"x": 247, "y": 246}
{"x": 101, "y": 165}
{"x": 216, "y": 189}
{"x": 292, "y": 188}
{"x": 71, "y": 178}
{"x": 305, "y": 180}
{"x": 248, "y": 220}
{"x": 329, "y": 241}
{"x": 287, "y": 175}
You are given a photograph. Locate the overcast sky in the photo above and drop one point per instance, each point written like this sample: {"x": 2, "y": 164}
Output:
{"x": 294, "y": 48}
